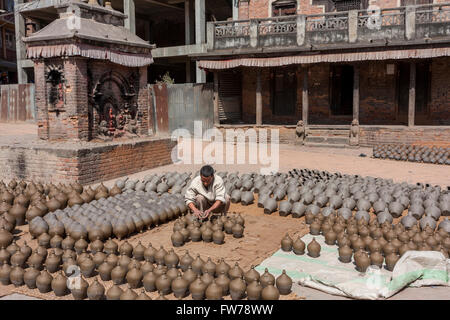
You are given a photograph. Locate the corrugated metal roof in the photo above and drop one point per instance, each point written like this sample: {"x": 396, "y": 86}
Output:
{"x": 318, "y": 58}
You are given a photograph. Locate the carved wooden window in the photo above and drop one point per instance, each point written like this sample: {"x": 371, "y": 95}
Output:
{"x": 346, "y": 5}
{"x": 284, "y": 8}
{"x": 54, "y": 77}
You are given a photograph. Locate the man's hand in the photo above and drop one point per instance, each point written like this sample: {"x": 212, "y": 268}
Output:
{"x": 198, "y": 213}
{"x": 206, "y": 214}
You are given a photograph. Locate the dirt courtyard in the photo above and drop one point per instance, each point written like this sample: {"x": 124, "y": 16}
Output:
{"x": 262, "y": 233}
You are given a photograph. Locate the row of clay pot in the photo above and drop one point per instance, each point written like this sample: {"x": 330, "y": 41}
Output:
{"x": 159, "y": 183}
{"x": 381, "y": 241}
{"x": 189, "y": 229}
{"x": 119, "y": 216}
{"x": 165, "y": 278}
{"x": 412, "y": 154}
{"x": 23, "y": 204}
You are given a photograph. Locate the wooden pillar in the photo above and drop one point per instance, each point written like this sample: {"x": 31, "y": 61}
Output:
{"x": 305, "y": 98}
{"x": 216, "y": 98}
{"x": 356, "y": 93}
{"x": 412, "y": 94}
{"x": 130, "y": 21}
{"x": 258, "y": 98}
{"x": 187, "y": 22}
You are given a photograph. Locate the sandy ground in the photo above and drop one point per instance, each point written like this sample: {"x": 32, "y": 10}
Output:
{"x": 262, "y": 233}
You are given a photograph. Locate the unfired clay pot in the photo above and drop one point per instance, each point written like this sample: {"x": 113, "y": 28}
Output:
{"x": 286, "y": 243}
{"x": 284, "y": 283}
{"x": 314, "y": 248}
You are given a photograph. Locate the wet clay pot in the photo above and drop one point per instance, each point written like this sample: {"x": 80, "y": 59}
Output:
{"x": 286, "y": 243}
{"x": 16, "y": 276}
{"x": 235, "y": 272}
{"x": 330, "y": 238}
{"x": 118, "y": 274}
{"x": 270, "y": 292}
{"x": 59, "y": 285}
{"x": 177, "y": 239}
{"x": 251, "y": 275}
{"x": 314, "y": 248}
{"x": 197, "y": 265}
{"x": 44, "y": 281}
{"x": 87, "y": 267}
{"x": 362, "y": 262}
{"x": 163, "y": 284}
{"x": 114, "y": 293}
{"x": 219, "y": 236}
{"x": 126, "y": 249}
{"x": 186, "y": 261}
{"x": 104, "y": 271}
{"x": 391, "y": 260}
{"x": 237, "y": 288}
{"x": 345, "y": 254}
{"x": 376, "y": 259}
{"x": 314, "y": 228}
{"x": 134, "y": 278}
{"x": 159, "y": 255}
{"x": 197, "y": 289}
{"x": 283, "y": 283}
{"x": 96, "y": 291}
{"x": 213, "y": 291}
{"x": 238, "y": 230}
{"x": 254, "y": 291}
{"x": 179, "y": 286}
{"x": 79, "y": 292}
{"x": 6, "y": 238}
{"x": 149, "y": 281}
{"x": 29, "y": 277}
{"x": 298, "y": 246}
{"x": 5, "y": 270}
{"x": 266, "y": 278}
{"x": 110, "y": 247}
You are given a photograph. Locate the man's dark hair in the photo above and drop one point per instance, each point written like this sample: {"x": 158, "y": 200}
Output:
{"x": 206, "y": 171}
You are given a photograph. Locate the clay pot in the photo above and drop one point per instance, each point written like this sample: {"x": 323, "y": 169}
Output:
{"x": 171, "y": 259}
{"x": 179, "y": 286}
{"x": 52, "y": 262}
{"x": 177, "y": 239}
{"x": 298, "y": 246}
{"x": 254, "y": 291}
{"x": 314, "y": 248}
{"x": 186, "y": 261}
{"x": 391, "y": 260}
{"x": 104, "y": 271}
{"x": 149, "y": 281}
{"x": 197, "y": 265}
{"x": 159, "y": 255}
{"x": 283, "y": 283}
{"x": 134, "y": 278}
{"x": 213, "y": 291}
{"x": 149, "y": 253}
{"x": 18, "y": 211}
{"x": 59, "y": 285}
{"x": 209, "y": 266}
{"x": 5, "y": 270}
{"x": 224, "y": 282}
{"x": 235, "y": 272}
{"x": 228, "y": 226}
{"x": 87, "y": 267}
{"x": 222, "y": 266}
{"x": 110, "y": 247}
{"x": 197, "y": 289}
{"x": 330, "y": 238}
{"x": 96, "y": 291}
{"x": 237, "y": 288}
{"x": 126, "y": 249}
{"x": 345, "y": 254}
{"x": 163, "y": 284}
{"x": 118, "y": 274}
{"x": 376, "y": 259}
{"x": 238, "y": 230}
{"x": 4, "y": 256}
{"x": 114, "y": 293}
{"x": 44, "y": 281}
{"x": 266, "y": 278}
{"x": 30, "y": 276}
{"x": 270, "y": 292}
{"x": 6, "y": 238}
{"x": 362, "y": 261}
{"x": 314, "y": 228}
{"x": 16, "y": 276}
{"x": 286, "y": 243}
{"x": 219, "y": 236}
{"x": 251, "y": 275}
{"x": 270, "y": 205}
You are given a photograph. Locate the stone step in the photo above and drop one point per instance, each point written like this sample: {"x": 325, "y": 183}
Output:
{"x": 321, "y": 132}
{"x": 326, "y": 145}
{"x": 328, "y": 139}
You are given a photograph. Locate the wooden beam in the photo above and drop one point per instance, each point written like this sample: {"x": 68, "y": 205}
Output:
{"x": 356, "y": 92}
{"x": 216, "y": 98}
{"x": 164, "y": 5}
{"x": 412, "y": 94}
{"x": 305, "y": 97}
{"x": 258, "y": 98}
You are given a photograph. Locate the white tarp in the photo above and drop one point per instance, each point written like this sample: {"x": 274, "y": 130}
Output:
{"x": 328, "y": 274}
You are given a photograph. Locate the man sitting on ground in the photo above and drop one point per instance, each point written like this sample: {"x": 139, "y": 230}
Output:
{"x": 206, "y": 194}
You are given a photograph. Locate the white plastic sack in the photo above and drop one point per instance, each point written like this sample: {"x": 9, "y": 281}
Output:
{"x": 328, "y": 274}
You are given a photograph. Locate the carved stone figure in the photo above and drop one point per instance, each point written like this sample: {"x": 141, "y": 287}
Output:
{"x": 354, "y": 133}
{"x": 300, "y": 131}
{"x": 103, "y": 129}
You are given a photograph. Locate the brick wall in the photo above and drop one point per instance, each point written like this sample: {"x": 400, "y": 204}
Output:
{"x": 73, "y": 122}
{"x": 90, "y": 164}
{"x": 439, "y": 106}
{"x": 252, "y": 9}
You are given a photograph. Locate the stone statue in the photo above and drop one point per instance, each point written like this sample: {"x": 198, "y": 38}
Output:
{"x": 300, "y": 131}
{"x": 354, "y": 133}
{"x": 103, "y": 129}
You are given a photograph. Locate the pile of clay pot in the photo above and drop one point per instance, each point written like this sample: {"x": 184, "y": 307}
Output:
{"x": 369, "y": 243}
{"x": 21, "y": 202}
{"x": 308, "y": 192}
{"x": 187, "y": 228}
{"x": 120, "y": 216}
{"x": 50, "y": 270}
{"x": 410, "y": 153}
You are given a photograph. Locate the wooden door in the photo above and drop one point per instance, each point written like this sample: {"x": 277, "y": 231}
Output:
{"x": 284, "y": 88}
